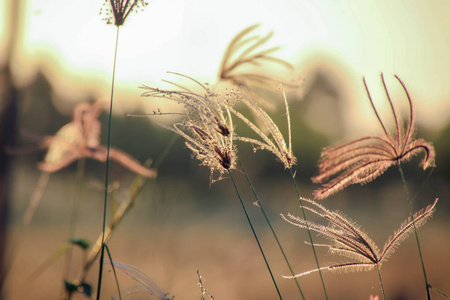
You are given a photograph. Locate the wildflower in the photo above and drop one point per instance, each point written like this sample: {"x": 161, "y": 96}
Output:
{"x": 81, "y": 138}
{"x": 208, "y": 129}
{"x": 274, "y": 140}
{"x": 145, "y": 285}
{"x": 364, "y": 159}
{"x": 352, "y": 242}
{"x": 121, "y": 9}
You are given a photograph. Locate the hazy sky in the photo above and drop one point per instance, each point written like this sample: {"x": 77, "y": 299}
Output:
{"x": 74, "y": 47}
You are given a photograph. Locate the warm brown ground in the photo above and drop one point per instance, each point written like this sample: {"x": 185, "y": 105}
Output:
{"x": 171, "y": 233}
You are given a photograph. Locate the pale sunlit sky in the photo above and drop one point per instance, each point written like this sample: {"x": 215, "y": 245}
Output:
{"x": 70, "y": 43}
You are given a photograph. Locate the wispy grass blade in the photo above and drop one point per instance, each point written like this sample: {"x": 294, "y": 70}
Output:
{"x": 254, "y": 234}
{"x": 309, "y": 231}
{"x": 105, "y": 204}
{"x": 260, "y": 205}
{"x": 411, "y": 212}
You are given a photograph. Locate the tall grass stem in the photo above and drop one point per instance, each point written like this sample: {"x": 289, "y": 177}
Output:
{"x": 102, "y": 254}
{"x": 254, "y": 233}
{"x": 309, "y": 231}
{"x": 271, "y": 227}
{"x": 415, "y": 229}
{"x": 381, "y": 282}
{"x": 74, "y": 212}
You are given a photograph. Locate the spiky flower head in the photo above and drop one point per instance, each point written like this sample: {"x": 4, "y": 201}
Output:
{"x": 349, "y": 240}
{"x": 364, "y": 159}
{"x": 273, "y": 140}
{"x": 118, "y": 10}
{"x": 208, "y": 128}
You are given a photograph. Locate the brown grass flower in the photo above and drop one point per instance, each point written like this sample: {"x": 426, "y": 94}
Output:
{"x": 244, "y": 52}
{"x": 350, "y": 241}
{"x": 364, "y": 159}
{"x": 273, "y": 140}
{"x": 208, "y": 128}
{"x": 81, "y": 138}
{"x": 119, "y": 10}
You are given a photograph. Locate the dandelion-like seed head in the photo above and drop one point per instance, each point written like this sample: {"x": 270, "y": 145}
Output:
{"x": 116, "y": 11}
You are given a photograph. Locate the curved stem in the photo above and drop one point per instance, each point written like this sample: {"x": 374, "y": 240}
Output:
{"x": 309, "y": 231}
{"x": 415, "y": 229}
{"x": 270, "y": 226}
{"x": 254, "y": 233}
{"x": 381, "y": 282}
{"x": 107, "y": 170}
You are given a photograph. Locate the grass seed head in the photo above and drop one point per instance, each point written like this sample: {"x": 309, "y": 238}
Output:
{"x": 364, "y": 159}
{"x": 116, "y": 11}
{"x": 208, "y": 128}
{"x": 348, "y": 240}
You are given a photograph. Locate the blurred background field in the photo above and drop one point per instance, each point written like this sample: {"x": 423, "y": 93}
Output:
{"x": 181, "y": 224}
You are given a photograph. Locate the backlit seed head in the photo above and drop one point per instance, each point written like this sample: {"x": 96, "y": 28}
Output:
{"x": 116, "y": 11}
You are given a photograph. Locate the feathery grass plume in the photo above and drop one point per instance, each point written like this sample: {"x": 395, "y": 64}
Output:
{"x": 81, "y": 139}
{"x": 350, "y": 241}
{"x": 209, "y": 133}
{"x": 243, "y": 52}
{"x": 208, "y": 128}
{"x": 275, "y": 143}
{"x": 274, "y": 140}
{"x": 119, "y": 10}
{"x": 145, "y": 288}
{"x": 77, "y": 140}
{"x": 364, "y": 159}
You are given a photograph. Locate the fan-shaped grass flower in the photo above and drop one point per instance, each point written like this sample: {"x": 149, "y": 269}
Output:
{"x": 364, "y": 159}
{"x": 119, "y": 10}
{"x": 350, "y": 241}
{"x": 81, "y": 138}
{"x": 208, "y": 128}
{"x": 273, "y": 140}
{"x": 243, "y": 51}
{"x": 246, "y": 65}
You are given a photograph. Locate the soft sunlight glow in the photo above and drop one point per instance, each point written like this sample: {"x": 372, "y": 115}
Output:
{"x": 68, "y": 41}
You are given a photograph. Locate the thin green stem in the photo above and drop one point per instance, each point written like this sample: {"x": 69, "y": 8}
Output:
{"x": 102, "y": 254}
{"x": 74, "y": 212}
{"x": 381, "y": 282}
{"x": 270, "y": 226}
{"x": 309, "y": 231}
{"x": 254, "y": 233}
{"x": 114, "y": 269}
{"x": 411, "y": 212}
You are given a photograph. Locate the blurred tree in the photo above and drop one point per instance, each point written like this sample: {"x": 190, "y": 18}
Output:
{"x": 8, "y": 118}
